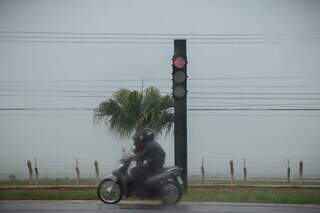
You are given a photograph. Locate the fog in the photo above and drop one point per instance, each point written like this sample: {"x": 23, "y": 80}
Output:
{"x": 30, "y": 69}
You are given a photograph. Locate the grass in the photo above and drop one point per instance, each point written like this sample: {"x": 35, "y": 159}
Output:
{"x": 254, "y": 191}
{"x": 256, "y": 182}
{"x": 48, "y": 195}
{"x": 90, "y": 181}
{"x": 255, "y": 195}
{"x": 217, "y": 194}
{"x": 48, "y": 182}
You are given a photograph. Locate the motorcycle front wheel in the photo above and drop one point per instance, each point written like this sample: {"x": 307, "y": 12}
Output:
{"x": 109, "y": 191}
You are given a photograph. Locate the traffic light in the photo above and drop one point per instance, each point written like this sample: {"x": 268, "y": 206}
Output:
{"x": 179, "y": 72}
{"x": 179, "y": 93}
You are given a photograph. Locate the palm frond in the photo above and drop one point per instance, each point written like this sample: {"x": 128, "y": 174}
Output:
{"x": 130, "y": 110}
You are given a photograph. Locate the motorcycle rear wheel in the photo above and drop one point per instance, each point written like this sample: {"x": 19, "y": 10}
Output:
{"x": 109, "y": 191}
{"x": 170, "y": 192}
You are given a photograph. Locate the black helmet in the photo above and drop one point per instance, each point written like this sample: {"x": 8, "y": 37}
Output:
{"x": 147, "y": 135}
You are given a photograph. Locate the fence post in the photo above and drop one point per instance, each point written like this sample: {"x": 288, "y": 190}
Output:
{"x": 288, "y": 171}
{"x": 36, "y": 171}
{"x": 30, "y": 172}
{"x": 202, "y": 170}
{"x": 78, "y": 172}
{"x": 96, "y": 167}
{"x": 231, "y": 171}
{"x": 301, "y": 171}
{"x": 244, "y": 170}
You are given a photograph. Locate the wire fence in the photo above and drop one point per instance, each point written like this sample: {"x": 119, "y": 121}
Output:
{"x": 254, "y": 169}
{"x": 206, "y": 169}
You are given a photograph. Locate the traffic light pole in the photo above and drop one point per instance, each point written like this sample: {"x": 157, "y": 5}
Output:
{"x": 180, "y": 107}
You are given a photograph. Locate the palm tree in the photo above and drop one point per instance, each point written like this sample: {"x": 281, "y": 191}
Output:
{"x": 128, "y": 111}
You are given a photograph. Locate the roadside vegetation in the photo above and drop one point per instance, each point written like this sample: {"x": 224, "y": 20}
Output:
{"x": 92, "y": 181}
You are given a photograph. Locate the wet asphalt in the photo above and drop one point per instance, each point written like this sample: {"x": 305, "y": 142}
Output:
{"x": 135, "y": 207}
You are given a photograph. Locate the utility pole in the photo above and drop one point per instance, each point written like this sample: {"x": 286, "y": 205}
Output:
{"x": 179, "y": 92}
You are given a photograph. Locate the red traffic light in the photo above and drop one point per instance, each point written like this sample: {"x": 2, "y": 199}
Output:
{"x": 179, "y": 62}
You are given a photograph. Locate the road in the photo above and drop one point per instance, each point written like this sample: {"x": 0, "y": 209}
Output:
{"x": 93, "y": 207}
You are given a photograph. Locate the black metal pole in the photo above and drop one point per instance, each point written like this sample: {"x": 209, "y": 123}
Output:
{"x": 180, "y": 118}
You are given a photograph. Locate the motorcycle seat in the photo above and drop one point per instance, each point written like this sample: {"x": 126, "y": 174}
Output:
{"x": 162, "y": 170}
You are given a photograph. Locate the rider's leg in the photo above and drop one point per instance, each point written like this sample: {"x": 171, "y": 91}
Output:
{"x": 138, "y": 174}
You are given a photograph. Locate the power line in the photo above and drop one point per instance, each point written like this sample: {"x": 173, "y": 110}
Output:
{"x": 252, "y": 115}
{"x": 254, "y": 98}
{"x": 14, "y": 84}
{"x": 149, "y": 38}
{"x": 157, "y": 34}
{"x": 76, "y": 81}
{"x": 8, "y": 115}
{"x": 254, "y": 77}
{"x": 255, "y": 93}
{"x": 251, "y": 86}
{"x": 190, "y": 87}
{"x": 212, "y": 93}
{"x": 55, "y": 96}
{"x": 76, "y": 86}
{"x": 190, "y": 109}
{"x": 191, "y": 115}
{"x": 205, "y": 105}
{"x": 191, "y": 98}
{"x": 62, "y": 91}
{"x": 145, "y": 42}
{"x": 201, "y": 98}
{"x": 70, "y": 96}
{"x": 240, "y": 107}
{"x": 126, "y": 37}
{"x": 85, "y": 42}
{"x": 65, "y": 91}
{"x": 146, "y": 37}
{"x": 47, "y": 109}
{"x": 253, "y": 109}
{"x": 167, "y": 79}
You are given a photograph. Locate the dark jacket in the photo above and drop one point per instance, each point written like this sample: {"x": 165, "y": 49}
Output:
{"x": 154, "y": 156}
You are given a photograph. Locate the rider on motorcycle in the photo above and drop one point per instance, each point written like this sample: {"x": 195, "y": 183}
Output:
{"x": 149, "y": 155}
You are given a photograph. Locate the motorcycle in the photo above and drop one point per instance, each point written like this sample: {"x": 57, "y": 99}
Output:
{"x": 165, "y": 184}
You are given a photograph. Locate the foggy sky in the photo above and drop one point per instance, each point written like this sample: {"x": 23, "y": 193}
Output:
{"x": 225, "y": 136}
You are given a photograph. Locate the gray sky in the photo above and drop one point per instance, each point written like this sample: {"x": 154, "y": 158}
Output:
{"x": 248, "y": 134}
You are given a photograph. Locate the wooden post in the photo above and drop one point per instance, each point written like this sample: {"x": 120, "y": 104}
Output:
{"x": 301, "y": 171}
{"x": 202, "y": 170}
{"x": 78, "y": 172}
{"x": 96, "y": 168}
{"x": 231, "y": 171}
{"x": 288, "y": 171}
{"x": 244, "y": 170}
{"x": 30, "y": 172}
{"x": 142, "y": 85}
{"x": 36, "y": 171}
